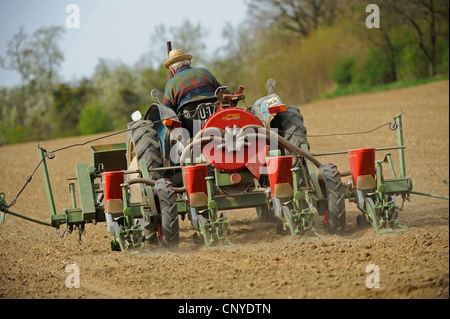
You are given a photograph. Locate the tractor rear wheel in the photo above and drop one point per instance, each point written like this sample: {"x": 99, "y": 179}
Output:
{"x": 334, "y": 216}
{"x": 143, "y": 143}
{"x": 169, "y": 227}
{"x": 290, "y": 126}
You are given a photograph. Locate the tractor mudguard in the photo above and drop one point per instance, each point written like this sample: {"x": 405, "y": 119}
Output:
{"x": 157, "y": 113}
{"x": 261, "y": 107}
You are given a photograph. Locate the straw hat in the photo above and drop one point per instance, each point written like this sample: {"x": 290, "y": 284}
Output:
{"x": 177, "y": 56}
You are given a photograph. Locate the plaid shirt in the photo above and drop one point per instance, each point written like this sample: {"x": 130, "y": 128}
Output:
{"x": 189, "y": 84}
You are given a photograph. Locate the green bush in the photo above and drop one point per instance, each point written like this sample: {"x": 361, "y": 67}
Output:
{"x": 342, "y": 74}
{"x": 94, "y": 119}
{"x": 376, "y": 68}
{"x": 443, "y": 64}
{"x": 11, "y": 131}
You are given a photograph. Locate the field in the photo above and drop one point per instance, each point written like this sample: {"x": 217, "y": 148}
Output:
{"x": 260, "y": 264}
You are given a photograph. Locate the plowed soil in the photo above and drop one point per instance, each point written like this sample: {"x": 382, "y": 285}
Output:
{"x": 261, "y": 264}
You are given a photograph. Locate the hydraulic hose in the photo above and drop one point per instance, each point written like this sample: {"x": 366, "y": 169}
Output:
{"x": 194, "y": 143}
{"x": 205, "y": 132}
{"x": 284, "y": 143}
{"x": 268, "y": 134}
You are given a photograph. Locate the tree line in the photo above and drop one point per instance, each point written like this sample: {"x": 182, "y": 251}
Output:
{"x": 311, "y": 47}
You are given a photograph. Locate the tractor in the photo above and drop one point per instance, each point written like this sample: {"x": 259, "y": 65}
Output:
{"x": 215, "y": 156}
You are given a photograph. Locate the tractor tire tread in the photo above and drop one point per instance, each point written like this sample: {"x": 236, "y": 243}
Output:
{"x": 146, "y": 145}
{"x": 330, "y": 176}
{"x": 169, "y": 213}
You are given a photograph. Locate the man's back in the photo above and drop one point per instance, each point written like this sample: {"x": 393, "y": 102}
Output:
{"x": 189, "y": 84}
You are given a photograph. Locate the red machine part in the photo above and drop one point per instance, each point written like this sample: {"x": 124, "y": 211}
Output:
{"x": 172, "y": 123}
{"x": 112, "y": 190}
{"x": 235, "y": 178}
{"x": 280, "y": 175}
{"x": 196, "y": 188}
{"x": 230, "y": 117}
{"x": 278, "y": 108}
{"x": 362, "y": 163}
{"x": 194, "y": 178}
{"x": 235, "y": 154}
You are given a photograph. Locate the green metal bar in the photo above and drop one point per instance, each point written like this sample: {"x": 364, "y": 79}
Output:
{"x": 372, "y": 213}
{"x": 430, "y": 195}
{"x": 181, "y": 205}
{"x": 162, "y": 169}
{"x": 223, "y": 179}
{"x": 398, "y": 185}
{"x": 247, "y": 200}
{"x": 213, "y": 229}
{"x": 86, "y": 194}
{"x": 381, "y": 188}
{"x": 391, "y": 165}
{"x": 312, "y": 174}
{"x": 212, "y": 204}
{"x": 148, "y": 190}
{"x": 298, "y": 195}
{"x": 70, "y": 216}
{"x": 48, "y": 186}
{"x": 137, "y": 210}
{"x": 28, "y": 218}
{"x": 401, "y": 152}
{"x": 72, "y": 195}
{"x": 127, "y": 212}
{"x": 345, "y": 152}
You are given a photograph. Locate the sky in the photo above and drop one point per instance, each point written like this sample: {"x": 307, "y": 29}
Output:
{"x": 111, "y": 29}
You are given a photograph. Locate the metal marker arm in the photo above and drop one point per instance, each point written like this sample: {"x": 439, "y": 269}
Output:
{"x": 4, "y": 210}
{"x": 48, "y": 187}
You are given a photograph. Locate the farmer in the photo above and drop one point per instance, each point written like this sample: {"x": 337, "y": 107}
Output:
{"x": 187, "y": 84}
